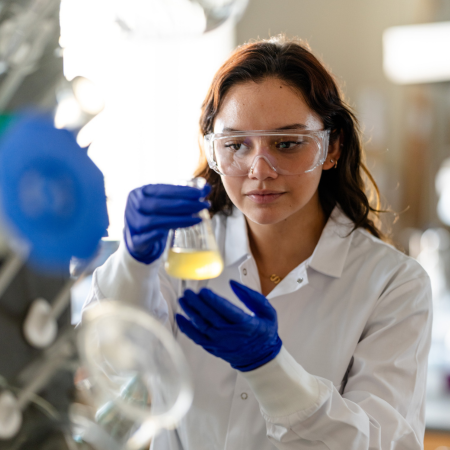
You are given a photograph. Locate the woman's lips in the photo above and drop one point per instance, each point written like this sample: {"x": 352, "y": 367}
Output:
{"x": 264, "y": 196}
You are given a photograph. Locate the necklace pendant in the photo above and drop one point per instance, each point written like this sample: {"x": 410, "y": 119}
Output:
{"x": 275, "y": 278}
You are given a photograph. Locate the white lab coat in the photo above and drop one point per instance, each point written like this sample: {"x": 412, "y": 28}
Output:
{"x": 356, "y": 304}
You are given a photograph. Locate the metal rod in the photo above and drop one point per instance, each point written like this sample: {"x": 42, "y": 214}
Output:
{"x": 9, "y": 270}
{"x": 61, "y": 301}
{"x": 41, "y": 371}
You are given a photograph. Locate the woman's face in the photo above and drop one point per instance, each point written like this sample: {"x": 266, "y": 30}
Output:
{"x": 264, "y": 196}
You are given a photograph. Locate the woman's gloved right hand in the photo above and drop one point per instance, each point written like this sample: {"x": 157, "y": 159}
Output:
{"x": 153, "y": 210}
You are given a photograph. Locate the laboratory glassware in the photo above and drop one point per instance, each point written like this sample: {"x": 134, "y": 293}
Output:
{"x": 192, "y": 253}
{"x": 169, "y": 18}
{"x": 138, "y": 378}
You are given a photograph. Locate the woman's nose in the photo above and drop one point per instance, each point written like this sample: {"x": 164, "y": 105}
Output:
{"x": 262, "y": 168}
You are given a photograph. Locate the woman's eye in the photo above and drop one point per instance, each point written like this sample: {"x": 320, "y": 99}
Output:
{"x": 288, "y": 145}
{"x": 233, "y": 146}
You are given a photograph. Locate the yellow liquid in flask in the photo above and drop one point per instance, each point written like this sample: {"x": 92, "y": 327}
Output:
{"x": 193, "y": 264}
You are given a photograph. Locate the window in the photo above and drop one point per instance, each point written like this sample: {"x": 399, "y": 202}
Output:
{"x": 153, "y": 90}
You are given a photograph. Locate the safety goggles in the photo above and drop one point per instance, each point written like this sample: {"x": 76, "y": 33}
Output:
{"x": 295, "y": 152}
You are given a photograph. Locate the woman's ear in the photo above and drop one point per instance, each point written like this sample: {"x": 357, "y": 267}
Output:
{"x": 334, "y": 153}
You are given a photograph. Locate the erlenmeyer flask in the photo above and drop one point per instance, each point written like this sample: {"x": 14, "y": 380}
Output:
{"x": 138, "y": 377}
{"x": 192, "y": 253}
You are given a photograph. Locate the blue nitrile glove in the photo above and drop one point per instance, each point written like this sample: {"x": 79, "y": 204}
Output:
{"x": 153, "y": 210}
{"x": 226, "y": 331}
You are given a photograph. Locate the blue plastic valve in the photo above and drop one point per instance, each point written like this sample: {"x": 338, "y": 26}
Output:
{"x": 52, "y": 195}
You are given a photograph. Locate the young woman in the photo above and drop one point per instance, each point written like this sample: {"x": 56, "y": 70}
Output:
{"x": 320, "y": 339}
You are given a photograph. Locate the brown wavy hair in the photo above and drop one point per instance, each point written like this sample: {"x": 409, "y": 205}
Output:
{"x": 291, "y": 61}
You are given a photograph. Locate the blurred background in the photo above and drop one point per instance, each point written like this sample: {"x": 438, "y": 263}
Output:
{"x": 390, "y": 57}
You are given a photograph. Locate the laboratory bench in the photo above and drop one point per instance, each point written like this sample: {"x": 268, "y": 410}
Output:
{"x": 436, "y": 440}
{"x": 437, "y": 416}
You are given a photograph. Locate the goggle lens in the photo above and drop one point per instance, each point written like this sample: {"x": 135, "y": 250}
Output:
{"x": 235, "y": 155}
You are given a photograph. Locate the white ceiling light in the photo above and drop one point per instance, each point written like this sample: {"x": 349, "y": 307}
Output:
{"x": 417, "y": 53}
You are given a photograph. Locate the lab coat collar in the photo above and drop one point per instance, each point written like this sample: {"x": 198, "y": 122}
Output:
{"x": 329, "y": 255}
{"x": 331, "y": 251}
{"x": 237, "y": 238}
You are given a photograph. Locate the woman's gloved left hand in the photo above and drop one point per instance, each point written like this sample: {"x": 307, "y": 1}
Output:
{"x": 226, "y": 331}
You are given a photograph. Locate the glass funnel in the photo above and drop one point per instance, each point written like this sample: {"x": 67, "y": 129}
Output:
{"x": 138, "y": 378}
{"x": 192, "y": 253}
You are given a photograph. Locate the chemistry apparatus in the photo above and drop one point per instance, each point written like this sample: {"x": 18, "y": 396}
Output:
{"x": 137, "y": 375}
{"x": 53, "y": 207}
{"x": 192, "y": 253}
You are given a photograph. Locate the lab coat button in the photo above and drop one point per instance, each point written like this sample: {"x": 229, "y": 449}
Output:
{"x": 244, "y": 271}
{"x": 300, "y": 280}
{"x": 244, "y": 396}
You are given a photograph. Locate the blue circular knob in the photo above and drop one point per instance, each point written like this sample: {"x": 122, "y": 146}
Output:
{"x": 51, "y": 193}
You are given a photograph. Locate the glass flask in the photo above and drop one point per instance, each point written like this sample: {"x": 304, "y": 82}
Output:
{"x": 192, "y": 253}
{"x": 138, "y": 380}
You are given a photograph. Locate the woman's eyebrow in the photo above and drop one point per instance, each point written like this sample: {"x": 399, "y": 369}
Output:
{"x": 294, "y": 126}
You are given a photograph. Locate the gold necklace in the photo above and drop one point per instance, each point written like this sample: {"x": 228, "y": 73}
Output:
{"x": 274, "y": 278}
